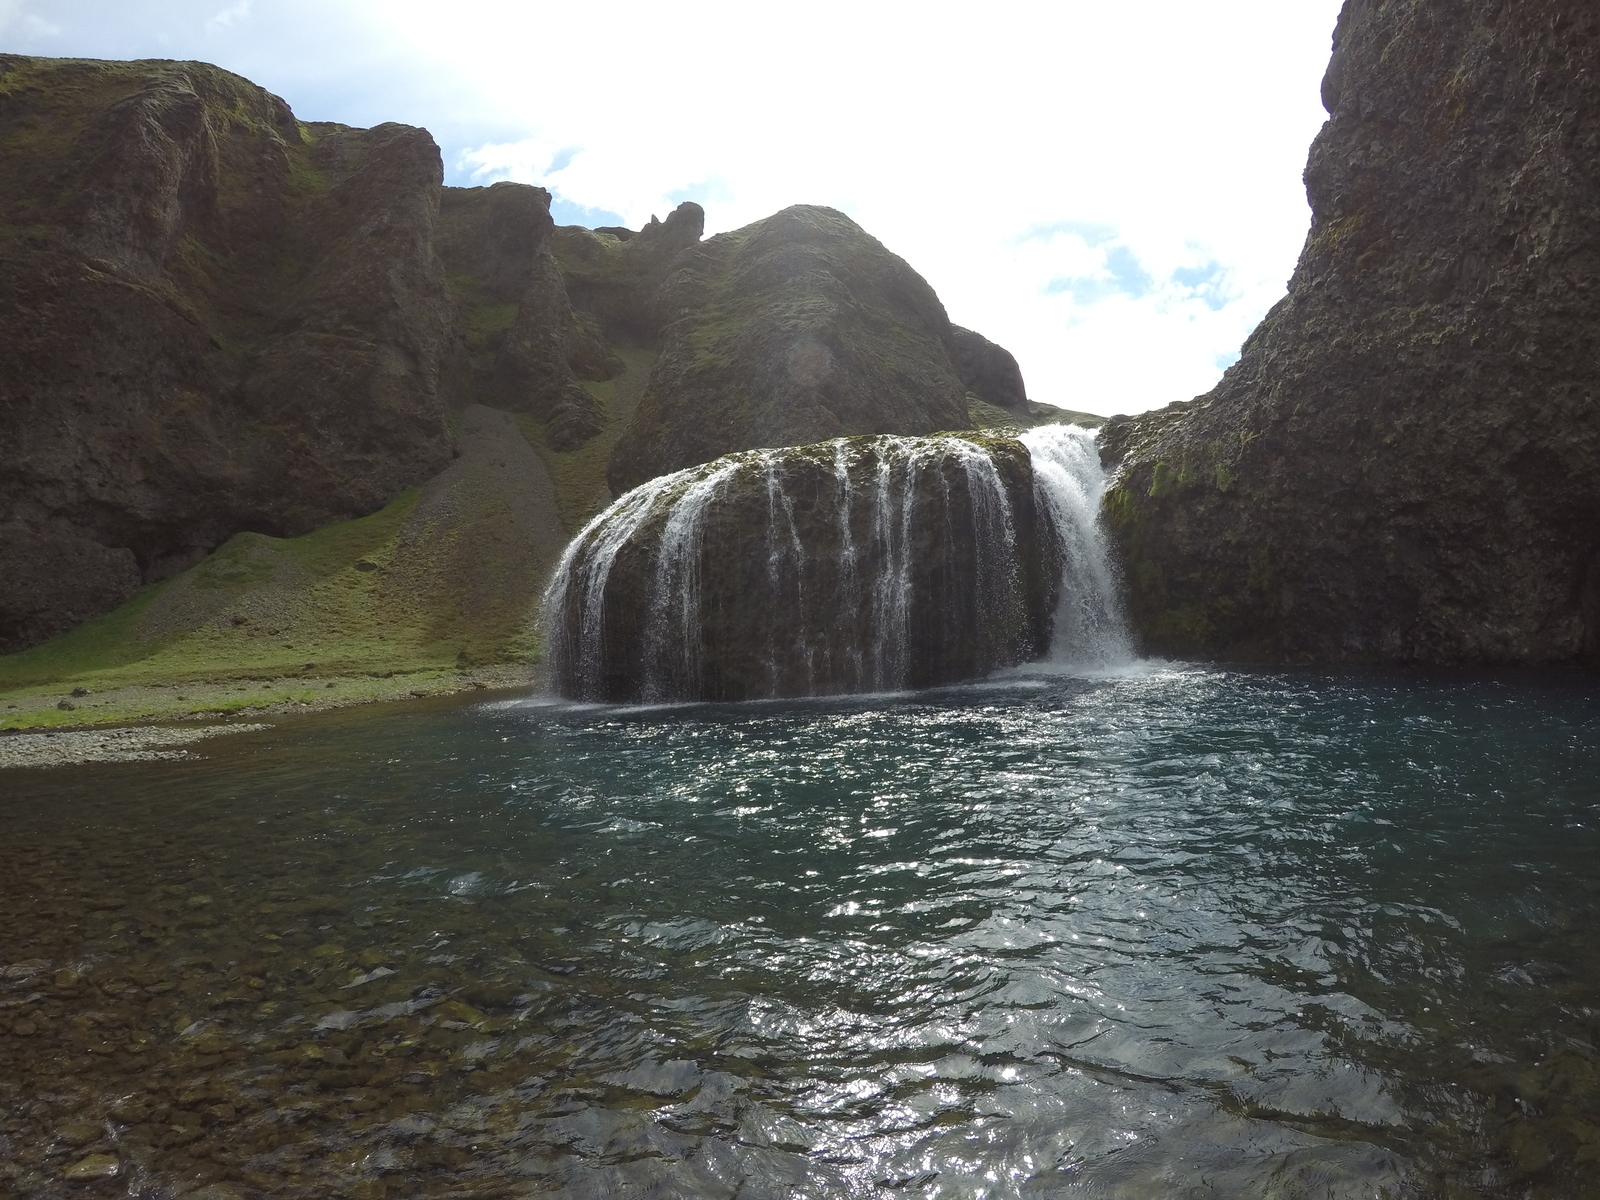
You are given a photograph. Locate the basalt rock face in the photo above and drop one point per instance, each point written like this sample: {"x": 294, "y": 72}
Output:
{"x": 215, "y": 318}
{"x": 613, "y": 275}
{"x": 1404, "y": 465}
{"x": 859, "y": 564}
{"x": 795, "y": 329}
{"x": 212, "y": 317}
{"x": 524, "y": 347}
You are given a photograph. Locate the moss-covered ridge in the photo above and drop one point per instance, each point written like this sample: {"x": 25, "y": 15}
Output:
{"x": 794, "y": 329}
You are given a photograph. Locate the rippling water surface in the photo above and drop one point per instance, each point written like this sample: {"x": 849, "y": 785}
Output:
{"x": 1177, "y": 933}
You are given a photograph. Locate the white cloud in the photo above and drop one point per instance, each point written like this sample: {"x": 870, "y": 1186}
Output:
{"x": 527, "y": 161}
{"x": 1032, "y": 158}
{"x": 229, "y": 16}
{"x": 15, "y": 17}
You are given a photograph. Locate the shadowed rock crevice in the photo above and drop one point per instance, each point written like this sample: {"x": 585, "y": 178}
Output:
{"x": 519, "y": 343}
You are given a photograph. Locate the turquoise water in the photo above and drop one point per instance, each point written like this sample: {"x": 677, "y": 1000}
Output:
{"x": 1176, "y": 933}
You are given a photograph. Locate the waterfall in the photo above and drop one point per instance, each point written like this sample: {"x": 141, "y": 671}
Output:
{"x": 1090, "y": 629}
{"x": 861, "y": 564}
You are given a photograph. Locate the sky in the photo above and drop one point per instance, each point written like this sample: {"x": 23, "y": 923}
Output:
{"x": 1110, "y": 191}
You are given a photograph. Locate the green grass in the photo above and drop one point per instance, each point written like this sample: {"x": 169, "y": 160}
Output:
{"x": 107, "y": 641}
{"x": 298, "y": 600}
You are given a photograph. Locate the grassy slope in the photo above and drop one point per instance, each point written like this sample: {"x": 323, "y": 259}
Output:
{"x": 261, "y": 621}
{"x": 266, "y": 621}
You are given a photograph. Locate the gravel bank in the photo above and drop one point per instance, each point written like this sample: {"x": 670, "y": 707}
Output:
{"x": 150, "y": 743}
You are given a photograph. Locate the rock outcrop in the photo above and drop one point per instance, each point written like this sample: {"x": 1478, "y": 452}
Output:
{"x": 613, "y": 275}
{"x": 795, "y": 329}
{"x": 1404, "y": 465}
{"x": 860, "y": 564}
{"x": 989, "y": 371}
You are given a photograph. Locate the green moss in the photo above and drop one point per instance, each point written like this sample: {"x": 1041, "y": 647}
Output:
{"x": 334, "y": 547}
{"x": 480, "y": 318}
{"x": 107, "y": 641}
{"x": 1181, "y": 629}
{"x": 328, "y": 612}
{"x": 1163, "y": 479}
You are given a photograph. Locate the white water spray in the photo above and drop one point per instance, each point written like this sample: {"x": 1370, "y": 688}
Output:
{"x": 1069, "y": 482}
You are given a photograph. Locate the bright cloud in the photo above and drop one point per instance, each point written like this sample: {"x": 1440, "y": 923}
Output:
{"x": 229, "y": 16}
{"x": 1111, "y": 191}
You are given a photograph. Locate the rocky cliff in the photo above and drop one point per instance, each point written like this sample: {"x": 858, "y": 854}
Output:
{"x": 212, "y": 317}
{"x": 1404, "y": 465}
{"x": 519, "y": 344}
{"x": 217, "y": 319}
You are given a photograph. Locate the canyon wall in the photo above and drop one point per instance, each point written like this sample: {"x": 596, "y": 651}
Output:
{"x": 1404, "y": 464}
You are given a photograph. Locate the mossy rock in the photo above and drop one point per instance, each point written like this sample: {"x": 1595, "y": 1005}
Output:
{"x": 859, "y": 564}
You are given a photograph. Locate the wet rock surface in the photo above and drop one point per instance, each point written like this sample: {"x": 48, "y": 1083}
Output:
{"x": 1404, "y": 465}
{"x": 855, "y": 565}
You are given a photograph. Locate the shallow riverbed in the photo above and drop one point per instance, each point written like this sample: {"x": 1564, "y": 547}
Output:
{"x": 1176, "y": 933}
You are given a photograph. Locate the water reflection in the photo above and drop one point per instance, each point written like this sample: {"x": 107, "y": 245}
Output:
{"x": 1175, "y": 933}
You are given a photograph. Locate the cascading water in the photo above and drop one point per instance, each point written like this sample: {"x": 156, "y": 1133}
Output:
{"x": 1090, "y": 629}
{"x": 858, "y": 565}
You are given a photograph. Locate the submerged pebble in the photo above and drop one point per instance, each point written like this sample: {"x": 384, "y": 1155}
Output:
{"x": 95, "y": 1166}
